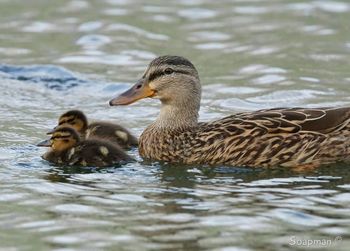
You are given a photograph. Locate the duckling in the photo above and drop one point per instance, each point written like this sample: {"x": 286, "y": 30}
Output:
{"x": 103, "y": 130}
{"x": 67, "y": 148}
{"x": 289, "y": 137}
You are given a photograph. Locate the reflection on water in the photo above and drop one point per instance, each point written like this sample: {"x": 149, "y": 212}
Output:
{"x": 250, "y": 54}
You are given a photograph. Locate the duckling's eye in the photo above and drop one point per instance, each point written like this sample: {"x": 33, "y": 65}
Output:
{"x": 65, "y": 140}
{"x": 70, "y": 121}
{"x": 168, "y": 71}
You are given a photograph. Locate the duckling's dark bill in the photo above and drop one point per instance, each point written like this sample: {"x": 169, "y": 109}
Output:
{"x": 139, "y": 91}
{"x": 51, "y": 131}
{"x": 46, "y": 143}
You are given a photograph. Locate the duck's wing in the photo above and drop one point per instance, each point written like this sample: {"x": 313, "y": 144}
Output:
{"x": 293, "y": 120}
{"x": 283, "y": 136}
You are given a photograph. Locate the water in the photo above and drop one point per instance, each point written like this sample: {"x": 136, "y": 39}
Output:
{"x": 58, "y": 55}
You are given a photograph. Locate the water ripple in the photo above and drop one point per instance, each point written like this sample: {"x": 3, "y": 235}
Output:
{"x": 93, "y": 41}
{"x": 39, "y": 27}
{"x": 99, "y": 59}
{"x": 250, "y": 55}
{"x": 197, "y": 13}
{"x": 300, "y": 218}
{"x": 136, "y": 30}
{"x": 90, "y": 26}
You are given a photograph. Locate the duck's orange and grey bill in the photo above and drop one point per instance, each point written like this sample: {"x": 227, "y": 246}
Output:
{"x": 46, "y": 143}
{"x": 139, "y": 91}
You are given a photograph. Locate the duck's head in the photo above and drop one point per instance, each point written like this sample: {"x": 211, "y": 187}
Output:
{"x": 172, "y": 79}
{"x": 61, "y": 139}
{"x": 73, "y": 118}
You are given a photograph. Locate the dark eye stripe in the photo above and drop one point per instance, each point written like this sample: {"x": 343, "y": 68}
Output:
{"x": 155, "y": 75}
{"x": 66, "y": 121}
{"x": 158, "y": 74}
{"x": 61, "y": 137}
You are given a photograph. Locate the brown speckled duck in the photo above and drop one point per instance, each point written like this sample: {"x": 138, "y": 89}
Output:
{"x": 66, "y": 148}
{"x": 290, "y": 137}
{"x": 103, "y": 130}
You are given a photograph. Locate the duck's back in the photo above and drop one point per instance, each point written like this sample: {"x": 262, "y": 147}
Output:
{"x": 111, "y": 132}
{"x": 274, "y": 137}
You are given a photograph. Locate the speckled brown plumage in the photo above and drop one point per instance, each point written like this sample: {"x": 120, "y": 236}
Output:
{"x": 276, "y": 137}
{"x": 66, "y": 148}
{"x": 99, "y": 129}
{"x": 291, "y": 137}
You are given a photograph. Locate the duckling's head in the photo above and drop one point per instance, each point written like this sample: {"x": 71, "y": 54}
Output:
{"x": 172, "y": 79}
{"x": 62, "y": 139}
{"x": 73, "y": 118}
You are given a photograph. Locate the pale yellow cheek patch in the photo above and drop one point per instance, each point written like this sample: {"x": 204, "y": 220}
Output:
{"x": 71, "y": 152}
{"x": 87, "y": 134}
{"x": 90, "y": 132}
{"x": 62, "y": 134}
{"x": 83, "y": 163}
{"x": 122, "y": 135}
{"x": 104, "y": 150}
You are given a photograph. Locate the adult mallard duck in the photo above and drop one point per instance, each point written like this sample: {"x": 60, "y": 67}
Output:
{"x": 67, "y": 148}
{"x": 104, "y": 130}
{"x": 291, "y": 137}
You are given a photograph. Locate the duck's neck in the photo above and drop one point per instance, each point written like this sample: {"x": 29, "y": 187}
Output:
{"x": 177, "y": 116}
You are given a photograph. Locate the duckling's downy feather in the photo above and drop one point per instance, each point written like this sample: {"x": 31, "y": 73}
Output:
{"x": 99, "y": 129}
{"x": 112, "y": 132}
{"x": 66, "y": 148}
{"x": 96, "y": 152}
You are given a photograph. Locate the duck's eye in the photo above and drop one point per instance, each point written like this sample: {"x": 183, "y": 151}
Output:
{"x": 65, "y": 140}
{"x": 168, "y": 71}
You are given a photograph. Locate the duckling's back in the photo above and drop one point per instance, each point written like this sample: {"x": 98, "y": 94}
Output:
{"x": 97, "y": 152}
{"x": 111, "y": 132}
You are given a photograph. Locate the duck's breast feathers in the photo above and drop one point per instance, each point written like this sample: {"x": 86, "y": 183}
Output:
{"x": 293, "y": 120}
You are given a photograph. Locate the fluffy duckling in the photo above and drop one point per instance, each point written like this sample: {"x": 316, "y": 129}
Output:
{"x": 290, "y": 137}
{"x": 103, "y": 130}
{"x": 68, "y": 149}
